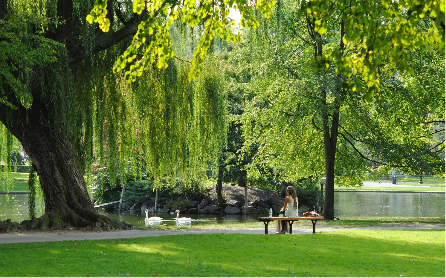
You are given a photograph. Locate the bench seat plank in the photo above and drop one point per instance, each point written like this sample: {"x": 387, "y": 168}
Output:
{"x": 290, "y": 221}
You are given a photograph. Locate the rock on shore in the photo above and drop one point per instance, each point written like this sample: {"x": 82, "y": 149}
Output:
{"x": 259, "y": 202}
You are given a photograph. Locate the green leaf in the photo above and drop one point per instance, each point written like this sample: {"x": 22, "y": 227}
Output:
{"x": 90, "y": 19}
{"x": 369, "y": 96}
{"x": 159, "y": 64}
{"x": 322, "y": 30}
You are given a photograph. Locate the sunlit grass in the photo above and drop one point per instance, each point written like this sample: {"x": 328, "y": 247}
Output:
{"x": 19, "y": 177}
{"x": 390, "y": 188}
{"x": 404, "y": 184}
{"x": 427, "y": 181}
{"x": 344, "y": 222}
{"x": 382, "y": 221}
{"x": 16, "y": 186}
{"x": 368, "y": 253}
{"x": 19, "y": 182}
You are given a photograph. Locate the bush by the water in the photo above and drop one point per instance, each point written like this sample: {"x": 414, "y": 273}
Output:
{"x": 142, "y": 189}
{"x": 186, "y": 195}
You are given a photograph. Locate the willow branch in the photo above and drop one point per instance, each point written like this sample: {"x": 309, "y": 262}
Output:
{"x": 182, "y": 60}
{"x": 315, "y": 126}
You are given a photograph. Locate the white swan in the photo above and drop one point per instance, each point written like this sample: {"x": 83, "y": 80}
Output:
{"x": 152, "y": 221}
{"x": 182, "y": 221}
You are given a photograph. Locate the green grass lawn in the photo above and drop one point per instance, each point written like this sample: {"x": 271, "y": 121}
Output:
{"x": 377, "y": 253}
{"x": 389, "y": 188}
{"x": 428, "y": 181}
{"x": 344, "y": 222}
{"x": 19, "y": 182}
{"x": 16, "y": 186}
{"x": 429, "y": 184}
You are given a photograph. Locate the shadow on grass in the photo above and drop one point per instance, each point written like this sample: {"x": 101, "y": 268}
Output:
{"x": 342, "y": 253}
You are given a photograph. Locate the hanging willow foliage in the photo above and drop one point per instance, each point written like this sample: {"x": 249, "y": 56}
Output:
{"x": 8, "y": 145}
{"x": 161, "y": 126}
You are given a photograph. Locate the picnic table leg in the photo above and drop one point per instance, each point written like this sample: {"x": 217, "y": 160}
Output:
{"x": 314, "y": 226}
{"x": 266, "y": 222}
{"x": 290, "y": 222}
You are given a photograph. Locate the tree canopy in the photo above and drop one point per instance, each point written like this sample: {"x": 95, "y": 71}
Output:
{"x": 374, "y": 35}
{"x": 153, "y": 43}
{"x": 313, "y": 121}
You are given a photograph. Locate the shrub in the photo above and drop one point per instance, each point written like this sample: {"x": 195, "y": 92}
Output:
{"x": 141, "y": 190}
{"x": 305, "y": 190}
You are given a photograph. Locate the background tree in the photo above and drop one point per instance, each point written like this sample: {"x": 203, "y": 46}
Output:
{"x": 310, "y": 118}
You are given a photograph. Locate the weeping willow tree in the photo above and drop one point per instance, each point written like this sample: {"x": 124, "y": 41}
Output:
{"x": 61, "y": 100}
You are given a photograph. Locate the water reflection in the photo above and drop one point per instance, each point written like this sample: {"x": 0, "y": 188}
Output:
{"x": 14, "y": 207}
{"x": 354, "y": 204}
{"x": 347, "y": 204}
{"x": 138, "y": 219}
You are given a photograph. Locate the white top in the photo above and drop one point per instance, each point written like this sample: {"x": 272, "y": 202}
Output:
{"x": 290, "y": 211}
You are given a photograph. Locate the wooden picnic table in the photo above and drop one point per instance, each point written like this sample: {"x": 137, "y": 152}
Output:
{"x": 290, "y": 221}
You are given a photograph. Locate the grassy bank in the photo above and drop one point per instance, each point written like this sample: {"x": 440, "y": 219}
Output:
{"x": 19, "y": 182}
{"x": 345, "y": 222}
{"x": 378, "y": 253}
{"x": 429, "y": 181}
{"x": 403, "y": 184}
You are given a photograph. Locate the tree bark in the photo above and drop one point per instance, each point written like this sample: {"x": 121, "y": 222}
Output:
{"x": 242, "y": 178}
{"x": 3, "y": 9}
{"x": 67, "y": 203}
{"x": 50, "y": 145}
{"x": 219, "y": 186}
{"x": 330, "y": 141}
{"x": 330, "y": 133}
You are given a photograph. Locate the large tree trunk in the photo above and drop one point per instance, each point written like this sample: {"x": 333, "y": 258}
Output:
{"x": 330, "y": 141}
{"x": 49, "y": 143}
{"x": 67, "y": 203}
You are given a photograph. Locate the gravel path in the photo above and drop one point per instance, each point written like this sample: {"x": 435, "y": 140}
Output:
{"x": 20, "y": 237}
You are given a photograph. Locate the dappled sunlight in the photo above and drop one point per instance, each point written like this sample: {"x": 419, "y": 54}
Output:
{"x": 397, "y": 236}
{"x": 414, "y": 258}
{"x": 55, "y": 252}
{"x": 163, "y": 249}
{"x": 262, "y": 266}
{"x": 375, "y": 249}
{"x": 338, "y": 253}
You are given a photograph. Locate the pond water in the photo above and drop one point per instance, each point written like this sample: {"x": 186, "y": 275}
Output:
{"x": 14, "y": 207}
{"x": 137, "y": 218}
{"x": 347, "y": 204}
{"x": 401, "y": 204}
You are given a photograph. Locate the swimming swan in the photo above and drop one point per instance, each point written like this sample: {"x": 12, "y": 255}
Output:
{"x": 182, "y": 221}
{"x": 152, "y": 221}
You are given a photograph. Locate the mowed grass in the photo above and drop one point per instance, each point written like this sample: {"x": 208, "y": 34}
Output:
{"x": 415, "y": 189}
{"x": 404, "y": 184}
{"x": 378, "y": 253}
{"x": 428, "y": 181}
{"x": 343, "y": 222}
{"x": 19, "y": 182}
{"x": 16, "y": 186}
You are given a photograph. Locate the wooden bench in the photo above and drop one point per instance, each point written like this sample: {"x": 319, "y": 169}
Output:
{"x": 290, "y": 221}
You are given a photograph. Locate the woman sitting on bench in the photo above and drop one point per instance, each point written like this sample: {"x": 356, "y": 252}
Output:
{"x": 290, "y": 207}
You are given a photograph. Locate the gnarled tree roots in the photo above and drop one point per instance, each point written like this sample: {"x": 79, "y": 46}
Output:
{"x": 58, "y": 221}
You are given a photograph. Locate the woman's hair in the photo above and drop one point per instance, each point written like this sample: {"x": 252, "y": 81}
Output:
{"x": 293, "y": 194}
